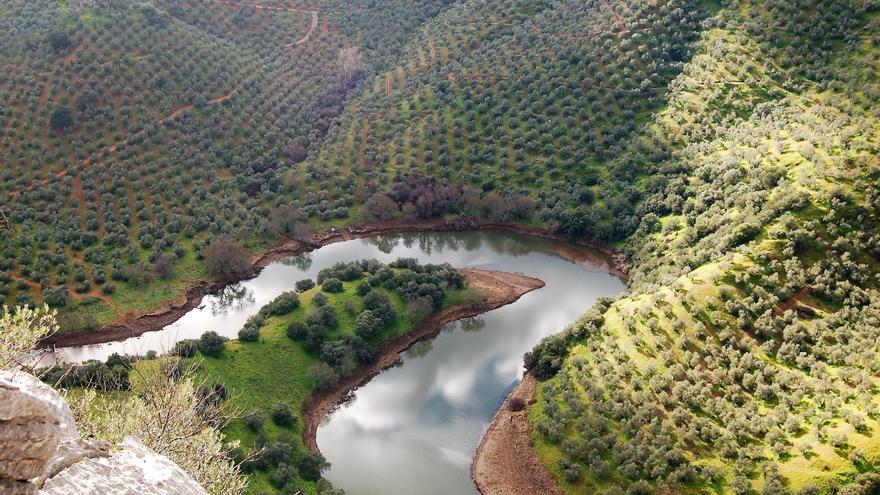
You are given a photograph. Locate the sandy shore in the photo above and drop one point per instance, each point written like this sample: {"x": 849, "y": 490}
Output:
{"x": 498, "y": 289}
{"x": 505, "y": 463}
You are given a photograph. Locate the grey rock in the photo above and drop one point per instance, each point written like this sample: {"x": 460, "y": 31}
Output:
{"x": 33, "y": 420}
{"x": 71, "y": 452}
{"x": 132, "y": 470}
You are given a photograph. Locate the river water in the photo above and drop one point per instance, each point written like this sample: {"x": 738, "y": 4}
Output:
{"x": 413, "y": 429}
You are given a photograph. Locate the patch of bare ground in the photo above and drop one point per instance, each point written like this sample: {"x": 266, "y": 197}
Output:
{"x": 505, "y": 463}
{"x": 497, "y": 288}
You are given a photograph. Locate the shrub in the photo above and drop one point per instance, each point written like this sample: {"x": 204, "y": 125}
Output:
{"x": 284, "y": 477}
{"x": 363, "y": 288}
{"x": 225, "y": 258}
{"x": 163, "y": 267}
{"x": 186, "y": 348}
{"x": 366, "y": 325}
{"x": 249, "y": 334}
{"x": 55, "y": 297}
{"x": 296, "y": 331}
{"x": 320, "y": 299}
{"x": 419, "y": 310}
{"x": 282, "y": 415}
{"x": 311, "y": 465}
{"x": 323, "y": 377}
{"x": 380, "y": 304}
{"x": 61, "y": 120}
{"x": 332, "y": 285}
{"x": 254, "y": 420}
{"x": 283, "y": 304}
{"x": 211, "y": 344}
{"x": 324, "y": 316}
{"x": 304, "y": 285}
{"x": 516, "y": 404}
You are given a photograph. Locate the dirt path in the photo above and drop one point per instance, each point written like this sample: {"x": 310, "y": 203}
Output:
{"x": 259, "y": 6}
{"x": 498, "y": 289}
{"x": 505, "y": 463}
{"x": 430, "y": 43}
{"x": 312, "y": 25}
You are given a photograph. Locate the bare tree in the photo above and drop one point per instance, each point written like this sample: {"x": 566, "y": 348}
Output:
{"x": 350, "y": 63}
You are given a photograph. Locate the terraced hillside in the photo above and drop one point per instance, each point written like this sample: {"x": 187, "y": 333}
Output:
{"x": 745, "y": 356}
{"x": 135, "y": 133}
{"x": 520, "y": 99}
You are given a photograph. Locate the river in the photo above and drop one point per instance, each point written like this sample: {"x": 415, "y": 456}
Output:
{"x": 413, "y": 429}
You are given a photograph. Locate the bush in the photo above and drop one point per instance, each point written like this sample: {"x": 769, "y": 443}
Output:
{"x": 323, "y": 316}
{"x": 323, "y": 377}
{"x": 61, "y": 120}
{"x": 211, "y": 344}
{"x": 283, "y": 304}
{"x": 284, "y": 477}
{"x": 296, "y": 331}
{"x": 225, "y": 258}
{"x": 254, "y": 420}
{"x": 55, "y": 297}
{"x": 185, "y": 348}
{"x": 249, "y": 334}
{"x": 380, "y": 304}
{"x": 516, "y": 404}
{"x": 311, "y": 465}
{"x": 366, "y": 325}
{"x": 304, "y": 285}
{"x": 363, "y": 288}
{"x": 282, "y": 415}
{"x": 419, "y": 310}
{"x": 320, "y": 299}
{"x": 332, "y": 285}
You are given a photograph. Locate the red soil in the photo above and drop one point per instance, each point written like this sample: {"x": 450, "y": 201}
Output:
{"x": 505, "y": 462}
{"x": 112, "y": 148}
{"x": 430, "y": 43}
{"x": 312, "y": 25}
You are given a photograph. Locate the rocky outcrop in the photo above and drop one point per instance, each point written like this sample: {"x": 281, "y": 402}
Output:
{"x": 42, "y": 452}
{"x": 132, "y": 470}
{"x": 33, "y": 422}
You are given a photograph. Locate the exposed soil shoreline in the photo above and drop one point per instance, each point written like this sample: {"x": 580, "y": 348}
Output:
{"x": 498, "y": 289}
{"x": 505, "y": 462}
{"x": 133, "y": 325}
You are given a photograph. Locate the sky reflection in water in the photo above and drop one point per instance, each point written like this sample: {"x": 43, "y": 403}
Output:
{"x": 413, "y": 429}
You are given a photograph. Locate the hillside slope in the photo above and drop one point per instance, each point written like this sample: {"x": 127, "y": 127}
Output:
{"x": 745, "y": 355}
{"x": 135, "y": 133}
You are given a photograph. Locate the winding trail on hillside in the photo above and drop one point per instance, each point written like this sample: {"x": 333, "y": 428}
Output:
{"x": 497, "y": 288}
{"x": 312, "y": 25}
{"x": 505, "y": 462}
{"x": 430, "y": 43}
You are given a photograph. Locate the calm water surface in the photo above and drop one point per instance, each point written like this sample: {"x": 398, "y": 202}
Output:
{"x": 413, "y": 429}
